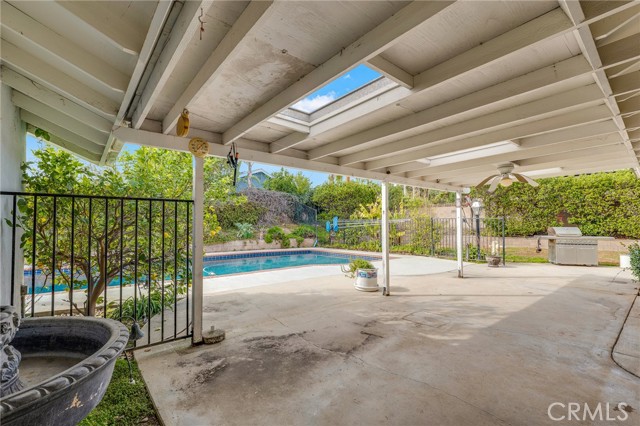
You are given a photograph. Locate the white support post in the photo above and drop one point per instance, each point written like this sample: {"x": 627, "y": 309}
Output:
{"x": 459, "y": 233}
{"x": 198, "y": 249}
{"x": 385, "y": 239}
{"x": 12, "y": 155}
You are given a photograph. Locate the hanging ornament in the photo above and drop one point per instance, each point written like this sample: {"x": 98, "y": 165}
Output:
{"x": 182, "y": 128}
{"x": 233, "y": 157}
{"x": 199, "y": 147}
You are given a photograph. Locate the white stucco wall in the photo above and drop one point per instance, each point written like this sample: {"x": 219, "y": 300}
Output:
{"x": 12, "y": 154}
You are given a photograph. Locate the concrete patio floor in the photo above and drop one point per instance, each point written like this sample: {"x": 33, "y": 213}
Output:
{"x": 495, "y": 348}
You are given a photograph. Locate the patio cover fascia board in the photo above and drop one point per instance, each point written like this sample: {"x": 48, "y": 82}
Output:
{"x": 159, "y": 140}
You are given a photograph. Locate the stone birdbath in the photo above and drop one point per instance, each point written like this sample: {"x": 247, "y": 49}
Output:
{"x": 55, "y": 370}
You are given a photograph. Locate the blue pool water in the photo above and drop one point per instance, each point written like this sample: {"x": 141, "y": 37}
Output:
{"x": 239, "y": 263}
{"x": 228, "y": 264}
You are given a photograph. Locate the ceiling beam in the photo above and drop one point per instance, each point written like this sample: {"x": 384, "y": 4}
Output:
{"x": 289, "y": 123}
{"x": 141, "y": 137}
{"x": 629, "y": 107}
{"x": 526, "y": 84}
{"x": 610, "y": 166}
{"x": 590, "y": 157}
{"x": 559, "y": 136}
{"x": 391, "y": 70}
{"x": 571, "y": 119}
{"x": 54, "y": 116}
{"x": 58, "y": 81}
{"x": 158, "y": 21}
{"x": 52, "y": 99}
{"x": 598, "y": 10}
{"x": 62, "y": 132}
{"x": 182, "y": 32}
{"x": 549, "y": 25}
{"x": 366, "y": 47}
{"x": 621, "y": 51}
{"x": 607, "y": 166}
{"x": 625, "y": 84}
{"x": 594, "y": 154}
{"x": 286, "y": 142}
{"x": 458, "y": 167}
{"x": 367, "y": 105}
{"x": 524, "y": 113}
{"x": 24, "y": 29}
{"x": 117, "y": 32}
{"x": 227, "y": 49}
{"x": 607, "y": 56}
{"x": 68, "y": 146}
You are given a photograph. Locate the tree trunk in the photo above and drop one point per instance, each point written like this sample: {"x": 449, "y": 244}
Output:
{"x": 249, "y": 174}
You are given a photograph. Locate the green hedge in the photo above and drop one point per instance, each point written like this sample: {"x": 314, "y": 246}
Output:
{"x": 605, "y": 204}
{"x": 238, "y": 210}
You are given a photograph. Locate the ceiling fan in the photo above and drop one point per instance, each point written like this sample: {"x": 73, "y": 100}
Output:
{"x": 506, "y": 177}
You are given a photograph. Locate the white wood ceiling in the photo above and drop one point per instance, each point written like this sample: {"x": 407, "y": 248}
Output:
{"x": 555, "y": 84}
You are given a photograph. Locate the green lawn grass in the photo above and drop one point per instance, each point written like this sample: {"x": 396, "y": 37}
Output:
{"x": 124, "y": 403}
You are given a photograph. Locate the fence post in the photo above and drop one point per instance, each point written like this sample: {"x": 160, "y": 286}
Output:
{"x": 433, "y": 242}
{"x": 504, "y": 242}
{"x": 459, "y": 234}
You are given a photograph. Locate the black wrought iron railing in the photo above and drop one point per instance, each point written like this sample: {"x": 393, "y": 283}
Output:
{"x": 124, "y": 258}
{"x": 427, "y": 236}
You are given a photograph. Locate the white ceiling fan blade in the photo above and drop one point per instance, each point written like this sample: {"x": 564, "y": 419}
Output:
{"x": 494, "y": 183}
{"x": 484, "y": 182}
{"x": 526, "y": 179}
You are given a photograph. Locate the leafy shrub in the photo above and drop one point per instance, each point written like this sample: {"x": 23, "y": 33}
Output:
{"x": 142, "y": 309}
{"x": 350, "y": 270}
{"x": 238, "y": 210}
{"x": 600, "y": 204}
{"x": 342, "y": 199}
{"x": 304, "y": 231}
{"x": 634, "y": 254}
{"x": 245, "y": 230}
{"x": 276, "y": 233}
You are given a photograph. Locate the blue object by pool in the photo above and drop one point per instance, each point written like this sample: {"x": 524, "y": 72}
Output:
{"x": 239, "y": 263}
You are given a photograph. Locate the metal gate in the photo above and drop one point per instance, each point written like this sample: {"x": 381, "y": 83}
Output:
{"x": 127, "y": 259}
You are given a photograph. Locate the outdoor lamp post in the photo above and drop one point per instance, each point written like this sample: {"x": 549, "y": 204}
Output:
{"x": 476, "y": 207}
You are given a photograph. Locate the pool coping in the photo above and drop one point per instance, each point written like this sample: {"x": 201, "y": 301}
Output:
{"x": 376, "y": 255}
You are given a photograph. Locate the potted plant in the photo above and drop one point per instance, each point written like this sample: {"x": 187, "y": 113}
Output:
{"x": 365, "y": 274}
{"x": 494, "y": 259}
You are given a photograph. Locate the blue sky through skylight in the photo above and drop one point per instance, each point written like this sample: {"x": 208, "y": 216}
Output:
{"x": 343, "y": 85}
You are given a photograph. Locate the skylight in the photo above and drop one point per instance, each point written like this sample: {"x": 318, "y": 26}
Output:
{"x": 341, "y": 86}
{"x": 473, "y": 153}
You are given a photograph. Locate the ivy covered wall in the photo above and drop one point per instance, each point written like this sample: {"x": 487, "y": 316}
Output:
{"x": 606, "y": 204}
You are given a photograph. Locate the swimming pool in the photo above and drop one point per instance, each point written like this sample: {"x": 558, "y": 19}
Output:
{"x": 250, "y": 262}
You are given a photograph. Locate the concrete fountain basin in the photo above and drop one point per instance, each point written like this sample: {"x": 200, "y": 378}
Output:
{"x": 66, "y": 366}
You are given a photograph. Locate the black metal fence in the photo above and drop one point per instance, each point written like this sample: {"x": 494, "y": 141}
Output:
{"x": 127, "y": 259}
{"x": 426, "y": 236}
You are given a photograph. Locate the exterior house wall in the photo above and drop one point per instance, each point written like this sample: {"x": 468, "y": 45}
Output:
{"x": 12, "y": 155}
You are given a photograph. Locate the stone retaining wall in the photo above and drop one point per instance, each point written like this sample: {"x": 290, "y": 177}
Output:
{"x": 253, "y": 245}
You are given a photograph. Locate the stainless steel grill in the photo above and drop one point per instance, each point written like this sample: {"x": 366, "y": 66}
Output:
{"x": 567, "y": 246}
